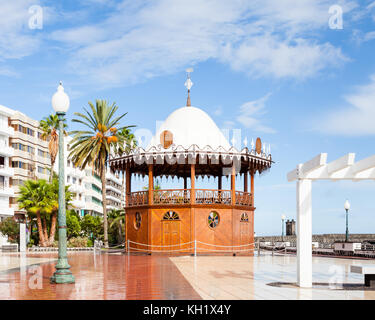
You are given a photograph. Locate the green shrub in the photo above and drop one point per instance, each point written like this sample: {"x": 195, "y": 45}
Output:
{"x": 77, "y": 242}
{"x": 73, "y": 225}
{"x": 9, "y": 227}
{"x": 90, "y": 243}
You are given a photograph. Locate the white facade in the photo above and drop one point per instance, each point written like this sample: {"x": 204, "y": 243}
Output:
{"x": 6, "y": 172}
{"x": 30, "y": 159}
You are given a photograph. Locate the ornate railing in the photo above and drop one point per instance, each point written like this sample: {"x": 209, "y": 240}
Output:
{"x": 205, "y": 196}
{"x": 175, "y": 196}
{"x": 243, "y": 198}
{"x": 183, "y": 196}
{"x": 138, "y": 198}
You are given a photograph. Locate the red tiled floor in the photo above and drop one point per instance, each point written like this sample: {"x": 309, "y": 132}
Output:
{"x": 102, "y": 277}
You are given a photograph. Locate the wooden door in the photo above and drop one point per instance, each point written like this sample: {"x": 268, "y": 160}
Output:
{"x": 171, "y": 235}
{"x": 245, "y": 233}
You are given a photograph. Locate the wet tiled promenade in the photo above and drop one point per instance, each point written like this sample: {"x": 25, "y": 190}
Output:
{"x": 97, "y": 277}
{"x": 103, "y": 276}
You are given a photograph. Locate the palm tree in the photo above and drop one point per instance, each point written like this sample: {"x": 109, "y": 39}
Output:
{"x": 35, "y": 199}
{"x": 40, "y": 198}
{"x": 94, "y": 145}
{"x": 117, "y": 217}
{"x": 49, "y": 126}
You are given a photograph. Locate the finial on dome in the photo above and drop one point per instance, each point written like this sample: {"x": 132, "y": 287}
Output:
{"x": 188, "y": 85}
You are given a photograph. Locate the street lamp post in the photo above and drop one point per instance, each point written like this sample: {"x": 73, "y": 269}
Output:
{"x": 282, "y": 227}
{"x": 60, "y": 103}
{"x": 347, "y": 207}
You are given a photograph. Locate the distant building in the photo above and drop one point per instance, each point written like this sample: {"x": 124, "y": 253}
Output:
{"x": 30, "y": 159}
{"x": 290, "y": 227}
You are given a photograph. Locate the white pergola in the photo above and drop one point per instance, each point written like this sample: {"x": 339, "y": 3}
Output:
{"x": 317, "y": 168}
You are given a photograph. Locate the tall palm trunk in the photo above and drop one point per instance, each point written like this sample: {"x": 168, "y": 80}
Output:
{"x": 104, "y": 200}
{"x": 45, "y": 231}
{"x": 40, "y": 230}
{"x": 53, "y": 228}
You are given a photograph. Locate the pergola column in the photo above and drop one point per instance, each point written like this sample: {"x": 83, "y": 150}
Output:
{"x": 127, "y": 185}
{"x": 192, "y": 182}
{"x": 304, "y": 233}
{"x": 150, "y": 184}
{"x": 252, "y": 187}
{"x": 233, "y": 184}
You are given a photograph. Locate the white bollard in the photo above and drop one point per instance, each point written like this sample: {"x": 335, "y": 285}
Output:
{"x": 22, "y": 237}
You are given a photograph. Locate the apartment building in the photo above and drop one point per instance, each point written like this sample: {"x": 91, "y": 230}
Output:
{"x": 30, "y": 159}
{"x": 6, "y": 171}
{"x": 114, "y": 192}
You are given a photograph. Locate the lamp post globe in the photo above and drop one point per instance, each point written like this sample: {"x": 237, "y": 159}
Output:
{"x": 347, "y": 207}
{"x": 60, "y": 100}
{"x": 60, "y": 103}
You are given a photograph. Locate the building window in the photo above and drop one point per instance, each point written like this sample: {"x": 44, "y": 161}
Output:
{"x": 137, "y": 220}
{"x": 244, "y": 217}
{"x": 166, "y": 138}
{"x": 171, "y": 215}
{"x": 213, "y": 219}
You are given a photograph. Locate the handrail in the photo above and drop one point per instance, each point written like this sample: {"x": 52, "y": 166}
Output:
{"x": 184, "y": 196}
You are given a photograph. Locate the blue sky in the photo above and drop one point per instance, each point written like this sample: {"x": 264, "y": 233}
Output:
{"x": 274, "y": 69}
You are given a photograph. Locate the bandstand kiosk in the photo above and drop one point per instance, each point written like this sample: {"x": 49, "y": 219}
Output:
{"x": 187, "y": 145}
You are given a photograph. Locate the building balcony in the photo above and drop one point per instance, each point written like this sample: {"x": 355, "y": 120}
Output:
{"x": 6, "y": 211}
{"x": 6, "y": 191}
{"x": 78, "y": 204}
{"x": 6, "y": 151}
{"x": 114, "y": 198}
{"x": 113, "y": 188}
{"x": 76, "y": 188}
{"x": 6, "y": 171}
{"x": 183, "y": 197}
{"x": 6, "y": 131}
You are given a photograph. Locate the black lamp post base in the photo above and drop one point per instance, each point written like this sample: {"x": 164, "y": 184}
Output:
{"x": 62, "y": 276}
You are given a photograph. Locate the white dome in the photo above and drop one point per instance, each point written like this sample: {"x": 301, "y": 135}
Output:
{"x": 191, "y": 126}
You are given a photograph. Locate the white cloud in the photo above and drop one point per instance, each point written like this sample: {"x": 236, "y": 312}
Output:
{"x": 16, "y": 39}
{"x": 357, "y": 117}
{"x": 251, "y": 113}
{"x": 7, "y": 72}
{"x": 145, "y": 39}
{"x": 266, "y": 55}
{"x": 218, "y": 111}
